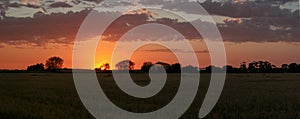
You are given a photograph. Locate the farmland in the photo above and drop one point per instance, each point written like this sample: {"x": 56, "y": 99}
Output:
{"x": 53, "y": 95}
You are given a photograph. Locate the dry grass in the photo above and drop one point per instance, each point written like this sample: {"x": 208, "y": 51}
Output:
{"x": 53, "y": 95}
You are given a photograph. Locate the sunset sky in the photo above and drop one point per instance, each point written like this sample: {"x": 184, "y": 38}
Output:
{"x": 33, "y": 30}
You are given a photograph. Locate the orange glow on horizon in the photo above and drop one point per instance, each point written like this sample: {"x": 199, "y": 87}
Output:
{"x": 277, "y": 53}
{"x": 104, "y": 52}
{"x": 144, "y": 54}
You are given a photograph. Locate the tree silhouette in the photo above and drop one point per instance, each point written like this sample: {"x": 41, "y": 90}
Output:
{"x": 146, "y": 66}
{"x": 105, "y": 67}
{"x": 231, "y": 69}
{"x": 265, "y": 66}
{"x": 166, "y": 66}
{"x": 284, "y": 67}
{"x": 175, "y": 68}
{"x": 125, "y": 65}
{"x": 260, "y": 67}
{"x": 54, "y": 63}
{"x": 293, "y": 67}
{"x": 36, "y": 67}
{"x": 211, "y": 68}
{"x": 243, "y": 67}
{"x": 253, "y": 67}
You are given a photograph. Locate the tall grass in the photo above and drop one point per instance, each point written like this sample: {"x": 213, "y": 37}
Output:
{"x": 245, "y": 96}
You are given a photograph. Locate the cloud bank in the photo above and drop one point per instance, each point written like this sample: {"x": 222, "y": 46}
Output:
{"x": 244, "y": 21}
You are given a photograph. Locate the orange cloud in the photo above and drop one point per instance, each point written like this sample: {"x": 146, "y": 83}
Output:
{"x": 32, "y": 2}
{"x": 140, "y": 11}
{"x": 232, "y": 20}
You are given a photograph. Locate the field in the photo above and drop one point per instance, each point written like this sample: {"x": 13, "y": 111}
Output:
{"x": 245, "y": 96}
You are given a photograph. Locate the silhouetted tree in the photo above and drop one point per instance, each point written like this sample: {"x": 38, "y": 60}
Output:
{"x": 260, "y": 67}
{"x": 146, "y": 66}
{"x": 54, "y": 63}
{"x": 293, "y": 67}
{"x": 105, "y": 67}
{"x": 166, "y": 66}
{"x": 264, "y": 66}
{"x": 253, "y": 67}
{"x": 175, "y": 68}
{"x": 284, "y": 67}
{"x": 243, "y": 67}
{"x": 276, "y": 69}
{"x": 125, "y": 65}
{"x": 36, "y": 67}
{"x": 230, "y": 69}
{"x": 211, "y": 68}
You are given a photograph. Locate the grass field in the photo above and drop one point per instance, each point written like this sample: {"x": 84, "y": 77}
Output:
{"x": 245, "y": 96}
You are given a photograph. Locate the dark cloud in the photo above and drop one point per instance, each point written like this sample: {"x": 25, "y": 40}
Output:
{"x": 17, "y": 5}
{"x": 127, "y": 22}
{"x": 254, "y": 29}
{"x": 95, "y": 1}
{"x": 32, "y": 6}
{"x": 245, "y": 9}
{"x": 187, "y": 7}
{"x": 42, "y": 29}
{"x": 275, "y": 1}
{"x": 251, "y": 32}
{"x": 3, "y": 8}
{"x": 60, "y": 4}
{"x": 62, "y": 28}
{"x": 156, "y": 2}
{"x": 259, "y": 29}
{"x": 175, "y": 5}
{"x": 265, "y": 22}
{"x": 229, "y": 8}
{"x": 4, "y": 2}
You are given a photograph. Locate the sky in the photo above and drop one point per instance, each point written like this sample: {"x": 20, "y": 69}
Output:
{"x": 33, "y": 30}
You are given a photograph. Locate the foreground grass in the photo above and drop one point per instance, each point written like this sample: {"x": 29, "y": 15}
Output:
{"x": 53, "y": 95}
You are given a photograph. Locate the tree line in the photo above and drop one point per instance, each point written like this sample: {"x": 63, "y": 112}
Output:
{"x": 52, "y": 64}
{"x": 264, "y": 67}
{"x": 252, "y": 67}
{"x": 56, "y": 63}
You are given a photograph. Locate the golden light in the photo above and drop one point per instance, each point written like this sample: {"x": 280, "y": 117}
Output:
{"x": 103, "y": 53}
{"x": 102, "y": 68}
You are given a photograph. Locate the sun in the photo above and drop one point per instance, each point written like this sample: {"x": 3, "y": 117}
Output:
{"x": 102, "y": 68}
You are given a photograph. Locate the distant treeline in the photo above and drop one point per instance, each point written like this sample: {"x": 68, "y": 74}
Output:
{"x": 263, "y": 67}
{"x": 54, "y": 64}
{"x": 252, "y": 67}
